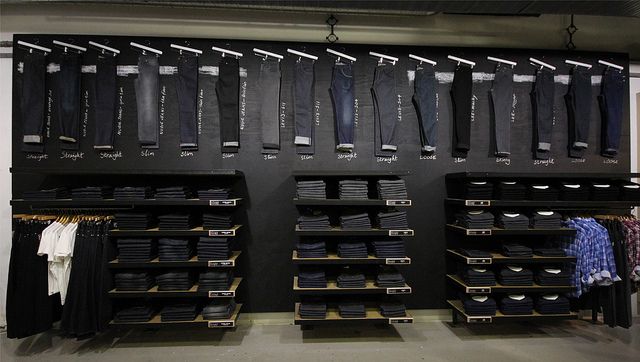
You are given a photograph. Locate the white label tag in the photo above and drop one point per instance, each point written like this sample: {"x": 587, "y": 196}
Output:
{"x": 221, "y": 324}
{"x": 399, "y": 290}
{"x": 222, "y": 293}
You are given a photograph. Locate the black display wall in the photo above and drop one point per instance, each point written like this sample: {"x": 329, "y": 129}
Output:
{"x": 269, "y": 237}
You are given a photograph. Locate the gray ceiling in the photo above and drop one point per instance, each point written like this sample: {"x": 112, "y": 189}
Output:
{"x": 522, "y": 8}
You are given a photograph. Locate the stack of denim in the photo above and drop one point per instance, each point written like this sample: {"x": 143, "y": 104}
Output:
{"x": 210, "y": 248}
{"x": 475, "y": 276}
{"x": 176, "y": 192}
{"x": 603, "y": 191}
{"x": 312, "y": 249}
{"x": 515, "y": 275}
{"x": 55, "y": 193}
{"x": 133, "y": 314}
{"x": 132, "y": 193}
{"x": 179, "y": 312}
{"x": 215, "y": 280}
{"x": 316, "y": 189}
{"x": 218, "y": 193}
{"x": 516, "y": 305}
{"x": 178, "y": 221}
{"x": 216, "y": 221}
{"x": 389, "y": 277}
{"x": 629, "y": 191}
{"x": 475, "y": 219}
{"x": 474, "y": 253}
{"x": 510, "y": 190}
{"x": 542, "y": 192}
{"x": 553, "y": 277}
{"x": 92, "y": 193}
{"x": 313, "y": 309}
{"x": 352, "y": 250}
{"x": 546, "y": 220}
{"x": 479, "y": 305}
{"x": 136, "y": 250}
{"x": 516, "y": 250}
{"x": 353, "y": 189}
{"x": 219, "y": 309}
{"x": 352, "y": 310}
{"x": 355, "y": 221}
{"x": 393, "y": 309}
{"x": 392, "y": 220}
{"x": 512, "y": 221}
{"x": 392, "y": 190}
{"x": 478, "y": 190}
{"x": 544, "y": 251}
{"x": 174, "y": 280}
{"x": 133, "y": 282}
{"x": 573, "y": 192}
{"x": 134, "y": 220}
{"x": 314, "y": 222}
{"x": 174, "y": 249}
{"x": 312, "y": 278}
{"x": 350, "y": 278}
{"x": 389, "y": 249}
{"x": 552, "y": 304}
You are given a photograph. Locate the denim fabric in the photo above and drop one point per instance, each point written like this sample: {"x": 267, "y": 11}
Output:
{"x": 303, "y": 93}
{"x": 385, "y": 113}
{"x": 269, "y": 86}
{"x": 228, "y": 90}
{"x": 105, "y": 108}
{"x": 343, "y": 97}
{"x": 187, "y": 89}
{"x": 542, "y": 98}
{"x": 33, "y": 102}
{"x": 461, "y": 93}
{"x": 69, "y": 100}
{"x": 424, "y": 100}
{"x": 501, "y": 95}
{"x": 578, "y": 100}
{"x": 611, "y": 102}
{"x": 147, "y": 88}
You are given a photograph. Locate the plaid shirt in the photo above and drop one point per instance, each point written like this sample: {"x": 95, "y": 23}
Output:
{"x": 632, "y": 241}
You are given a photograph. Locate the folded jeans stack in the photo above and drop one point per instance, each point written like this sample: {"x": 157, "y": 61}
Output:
{"x": 133, "y": 314}
{"x": 510, "y": 190}
{"x": 312, "y": 278}
{"x": 477, "y": 277}
{"x": 219, "y": 309}
{"x": 133, "y": 193}
{"x": 175, "y": 192}
{"x": 352, "y": 250}
{"x": 629, "y": 191}
{"x": 217, "y": 193}
{"x": 516, "y": 304}
{"x": 516, "y": 250}
{"x": 217, "y": 280}
{"x": 312, "y": 249}
{"x": 177, "y": 221}
{"x": 92, "y": 193}
{"x": 512, "y": 221}
{"x": 178, "y": 312}
{"x": 600, "y": 191}
{"x": 392, "y": 220}
{"x": 353, "y": 189}
{"x": 543, "y": 192}
{"x": 174, "y": 280}
{"x": 515, "y": 275}
{"x": 573, "y": 192}
{"x": 135, "y": 220}
{"x": 393, "y": 309}
{"x": 217, "y": 221}
{"x": 313, "y": 310}
{"x": 355, "y": 221}
{"x": 174, "y": 249}
{"x": 546, "y": 220}
{"x": 389, "y": 277}
{"x": 49, "y": 194}
{"x": 352, "y": 310}
{"x": 553, "y": 277}
{"x": 392, "y": 190}
{"x": 552, "y": 304}
{"x": 479, "y": 305}
{"x": 314, "y": 189}
{"x": 475, "y": 219}
{"x": 133, "y": 282}
{"x": 350, "y": 278}
{"x": 136, "y": 250}
{"x": 389, "y": 249}
{"x": 314, "y": 222}
{"x": 212, "y": 248}
{"x": 549, "y": 252}
{"x": 478, "y": 190}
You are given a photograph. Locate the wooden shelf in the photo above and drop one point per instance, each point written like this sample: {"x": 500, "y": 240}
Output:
{"x": 127, "y": 172}
{"x": 155, "y": 232}
{"x": 74, "y": 203}
{"x": 332, "y": 258}
{"x": 332, "y": 288}
{"x": 499, "y": 288}
{"x": 192, "y": 263}
{"x": 348, "y": 173}
{"x": 538, "y": 175}
{"x": 373, "y": 315}
{"x": 554, "y": 205}
{"x": 458, "y": 310}
{"x": 352, "y": 202}
{"x": 506, "y": 232}
{"x": 193, "y": 292}
{"x": 336, "y": 231}
{"x": 199, "y": 321}
{"x": 497, "y": 258}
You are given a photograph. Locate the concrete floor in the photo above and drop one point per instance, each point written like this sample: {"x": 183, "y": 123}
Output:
{"x": 568, "y": 341}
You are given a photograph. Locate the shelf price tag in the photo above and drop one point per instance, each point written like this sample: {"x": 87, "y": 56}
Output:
{"x": 399, "y": 290}
{"x": 486, "y": 319}
{"x": 222, "y": 293}
{"x": 400, "y": 320}
{"x": 222, "y": 233}
{"x": 478, "y": 290}
{"x": 221, "y": 324}
{"x": 221, "y": 263}
{"x": 397, "y": 261}
{"x": 479, "y": 232}
{"x": 398, "y": 202}
{"x": 478, "y": 260}
{"x": 406, "y": 232}
{"x": 222, "y": 202}
{"x": 477, "y": 202}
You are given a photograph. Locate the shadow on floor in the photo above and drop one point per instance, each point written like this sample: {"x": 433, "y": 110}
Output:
{"x": 553, "y": 329}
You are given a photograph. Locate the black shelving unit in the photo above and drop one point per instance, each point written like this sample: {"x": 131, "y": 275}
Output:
{"x": 156, "y": 232}
{"x": 509, "y": 232}
{"x": 556, "y": 204}
{"x": 334, "y": 231}
{"x": 112, "y": 203}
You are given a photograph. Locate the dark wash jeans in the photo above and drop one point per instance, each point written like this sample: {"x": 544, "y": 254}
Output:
{"x": 147, "y": 88}
{"x": 343, "y": 97}
{"x": 69, "y": 100}
{"x": 578, "y": 101}
{"x": 303, "y": 93}
{"x": 187, "y": 89}
{"x": 424, "y": 100}
{"x": 611, "y": 101}
{"x": 542, "y": 99}
{"x": 501, "y": 96}
{"x": 461, "y": 93}
{"x": 105, "y": 108}
{"x": 385, "y": 113}
{"x": 228, "y": 90}
{"x": 269, "y": 86}
{"x": 33, "y": 102}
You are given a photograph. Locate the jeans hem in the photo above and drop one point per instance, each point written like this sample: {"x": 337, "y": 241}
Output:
{"x": 67, "y": 139}
{"x": 429, "y": 148}
{"x": 303, "y": 141}
{"x": 344, "y": 146}
{"x": 188, "y": 145}
{"x": 32, "y": 139}
{"x": 544, "y": 146}
{"x": 580, "y": 144}
{"x": 231, "y": 144}
{"x": 389, "y": 148}
{"x": 103, "y": 147}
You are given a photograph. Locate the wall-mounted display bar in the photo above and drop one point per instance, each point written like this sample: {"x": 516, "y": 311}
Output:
{"x": 155, "y": 232}
{"x": 332, "y": 258}
{"x": 457, "y": 311}
{"x": 512, "y": 232}
{"x": 362, "y": 202}
{"x": 191, "y": 263}
{"x": 69, "y": 203}
{"x": 199, "y": 321}
{"x": 193, "y": 292}
{"x": 555, "y": 204}
{"x": 332, "y": 288}
{"x": 336, "y": 231}
{"x": 498, "y": 288}
{"x": 497, "y": 258}
{"x": 372, "y": 316}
